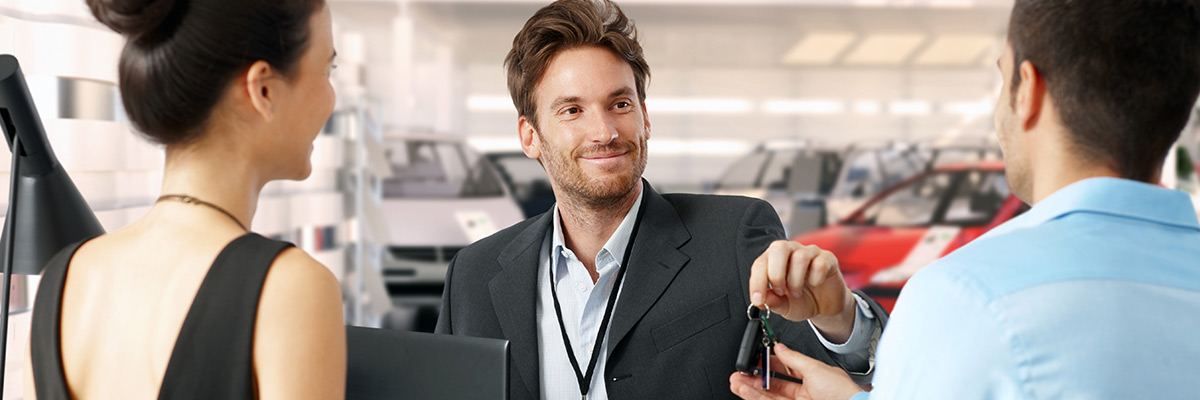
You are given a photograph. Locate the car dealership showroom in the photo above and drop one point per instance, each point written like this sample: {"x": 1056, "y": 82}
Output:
{"x": 453, "y": 170}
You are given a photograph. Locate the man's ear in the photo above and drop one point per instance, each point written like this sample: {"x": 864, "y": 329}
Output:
{"x": 646, "y": 120}
{"x": 262, "y": 86}
{"x": 1031, "y": 96}
{"x": 529, "y": 141}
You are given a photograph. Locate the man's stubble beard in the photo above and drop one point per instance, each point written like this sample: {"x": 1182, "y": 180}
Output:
{"x": 1016, "y": 165}
{"x": 579, "y": 188}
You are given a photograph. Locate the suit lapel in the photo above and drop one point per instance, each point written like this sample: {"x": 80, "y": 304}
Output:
{"x": 655, "y": 261}
{"x": 514, "y": 297}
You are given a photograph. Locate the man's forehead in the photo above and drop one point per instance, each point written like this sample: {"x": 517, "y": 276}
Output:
{"x": 585, "y": 73}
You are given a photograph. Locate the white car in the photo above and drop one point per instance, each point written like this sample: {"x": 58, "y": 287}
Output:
{"x": 441, "y": 197}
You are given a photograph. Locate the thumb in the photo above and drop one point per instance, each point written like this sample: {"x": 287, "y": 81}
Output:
{"x": 799, "y": 363}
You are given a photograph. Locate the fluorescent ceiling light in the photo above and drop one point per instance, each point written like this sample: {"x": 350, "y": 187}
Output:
{"x": 490, "y": 103}
{"x": 697, "y": 106}
{"x": 955, "y": 50}
{"x": 867, "y": 107}
{"x": 884, "y": 49}
{"x": 486, "y": 144}
{"x": 970, "y": 108}
{"x": 803, "y": 107}
{"x": 909, "y": 108}
{"x": 818, "y": 48}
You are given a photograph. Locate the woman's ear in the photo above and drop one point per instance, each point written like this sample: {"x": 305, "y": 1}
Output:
{"x": 262, "y": 87}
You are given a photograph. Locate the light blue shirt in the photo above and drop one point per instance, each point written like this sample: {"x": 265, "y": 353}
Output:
{"x": 583, "y": 304}
{"x": 1093, "y": 294}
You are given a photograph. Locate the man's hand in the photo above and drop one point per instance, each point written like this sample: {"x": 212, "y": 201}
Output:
{"x": 805, "y": 283}
{"x": 820, "y": 381}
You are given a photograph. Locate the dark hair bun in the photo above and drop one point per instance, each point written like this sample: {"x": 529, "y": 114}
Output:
{"x": 132, "y": 18}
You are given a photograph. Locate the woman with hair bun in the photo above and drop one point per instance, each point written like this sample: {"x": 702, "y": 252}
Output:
{"x": 186, "y": 302}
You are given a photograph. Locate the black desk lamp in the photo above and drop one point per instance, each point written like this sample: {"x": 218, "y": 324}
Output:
{"x": 45, "y": 210}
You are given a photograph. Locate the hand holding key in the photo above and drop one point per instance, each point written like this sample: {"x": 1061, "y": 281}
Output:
{"x": 803, "y": 282}
{"x": 821, "y": 381}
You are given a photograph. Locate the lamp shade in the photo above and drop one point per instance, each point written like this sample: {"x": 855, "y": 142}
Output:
{"x": 47, "y": 212}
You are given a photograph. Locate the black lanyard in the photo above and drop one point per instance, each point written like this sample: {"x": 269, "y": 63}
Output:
{"x": 586, "y": 379}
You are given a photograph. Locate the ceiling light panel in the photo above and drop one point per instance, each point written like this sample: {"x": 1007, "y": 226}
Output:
{"x": 884, "y": 49}
{"x": 818, "y": 49}
{"x": 955, "y": 50}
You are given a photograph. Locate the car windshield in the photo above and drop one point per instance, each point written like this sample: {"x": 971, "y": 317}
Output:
{"x": 963, "y": 198}
{"x": 438, "y": 169}
{"x": 786, "y": 170}
{"x": 869, "y": 171}
{"x": 802, "y": 171}
{"x": 744, "y": 173}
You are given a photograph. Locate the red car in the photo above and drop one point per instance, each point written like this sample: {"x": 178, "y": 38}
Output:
{"x": 915, "y": 222}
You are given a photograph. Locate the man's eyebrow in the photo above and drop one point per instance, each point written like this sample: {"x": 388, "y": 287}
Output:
{"x": 563, "y": 100}
{"x": 625, "y": 91}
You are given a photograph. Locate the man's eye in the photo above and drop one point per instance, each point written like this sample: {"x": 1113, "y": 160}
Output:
{"x": 572, "y": 110}
{"x": 623, "y": 104}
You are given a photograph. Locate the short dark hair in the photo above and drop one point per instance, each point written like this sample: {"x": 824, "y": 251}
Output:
{"x": 564, "y": 25}
{"x": 1123, "y": 73}
{"x": 182, "y": 54}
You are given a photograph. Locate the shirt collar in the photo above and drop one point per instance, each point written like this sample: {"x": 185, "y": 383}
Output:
{"x": 616, "y": 243}
{"x": 1112, "y": 196}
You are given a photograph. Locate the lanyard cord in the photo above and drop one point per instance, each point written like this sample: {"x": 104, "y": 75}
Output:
{"x": 586, "y": 378}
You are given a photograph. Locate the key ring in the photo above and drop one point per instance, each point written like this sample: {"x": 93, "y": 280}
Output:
{"x": 751, "y": 306}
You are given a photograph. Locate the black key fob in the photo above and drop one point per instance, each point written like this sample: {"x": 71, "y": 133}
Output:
{"x": 751, "y": 347}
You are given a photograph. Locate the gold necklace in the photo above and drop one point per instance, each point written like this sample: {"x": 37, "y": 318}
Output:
{"x": 192, "y": 200}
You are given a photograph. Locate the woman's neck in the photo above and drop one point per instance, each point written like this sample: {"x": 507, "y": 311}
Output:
{"x": 215, "y": 172}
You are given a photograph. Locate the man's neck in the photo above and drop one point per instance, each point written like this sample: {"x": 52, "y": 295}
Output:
{"x": 587, "y": 228}
{"x": 1057, "y": 165}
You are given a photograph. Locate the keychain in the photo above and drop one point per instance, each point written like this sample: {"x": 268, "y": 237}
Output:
{"x": 759, "y": 340}
{"x": 768, "y": 348}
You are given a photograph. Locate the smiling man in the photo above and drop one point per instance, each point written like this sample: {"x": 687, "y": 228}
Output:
{"x": 620, "y": 292}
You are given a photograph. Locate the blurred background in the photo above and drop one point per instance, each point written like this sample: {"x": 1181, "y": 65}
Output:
{"x": 866, "y": 123}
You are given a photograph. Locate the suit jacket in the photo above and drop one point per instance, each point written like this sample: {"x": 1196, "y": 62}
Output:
{"x": 682, "y": 309}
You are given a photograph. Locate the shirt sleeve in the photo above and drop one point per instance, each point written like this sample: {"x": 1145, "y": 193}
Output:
{"x": 945, "y": 342}
{"x": 855, "y": 356}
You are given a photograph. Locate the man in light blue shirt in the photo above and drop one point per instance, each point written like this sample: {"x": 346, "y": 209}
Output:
{"x": 1095, "y": 292}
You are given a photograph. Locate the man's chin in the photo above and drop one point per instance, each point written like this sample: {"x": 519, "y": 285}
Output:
{"x": 609, "y": 189}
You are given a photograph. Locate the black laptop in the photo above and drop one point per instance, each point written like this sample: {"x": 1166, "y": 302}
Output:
{"x": 386, "y": 364}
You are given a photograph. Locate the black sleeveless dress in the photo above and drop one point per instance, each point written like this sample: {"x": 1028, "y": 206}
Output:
{"x": 213, "y": 353}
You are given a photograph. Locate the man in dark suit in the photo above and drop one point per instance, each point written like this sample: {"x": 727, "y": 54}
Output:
{"x": 619, "y": 292}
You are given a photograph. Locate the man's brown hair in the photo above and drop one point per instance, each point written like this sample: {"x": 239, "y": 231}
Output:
{"x": 1124, "y": 74}
{"x": 564, "y": 25}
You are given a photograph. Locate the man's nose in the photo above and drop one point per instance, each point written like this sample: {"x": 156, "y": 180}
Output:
{"x": 602, "y": 129}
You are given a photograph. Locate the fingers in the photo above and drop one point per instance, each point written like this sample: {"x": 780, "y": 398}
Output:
{"x": 796, "y": 361}
{"x": 778, "y": 255}
{"x": 749, "y": 387}
{"x": 758, "y": 280}
{"x": 799, "y": 265}
{"x": 823, "y": 265}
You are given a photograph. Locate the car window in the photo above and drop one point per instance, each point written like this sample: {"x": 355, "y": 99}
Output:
{"x": 977, "y": 199}
{"x": 436, "y": 169}
{"x": 744, "y": 173}
{"x": 778, "y": 170}
{"x": 870, "y": 171}
{"x": 914, "y": 204}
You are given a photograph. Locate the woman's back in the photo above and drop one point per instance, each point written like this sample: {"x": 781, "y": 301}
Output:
{"x": 127, "y": 295}
{"x": 236, "y": 91}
